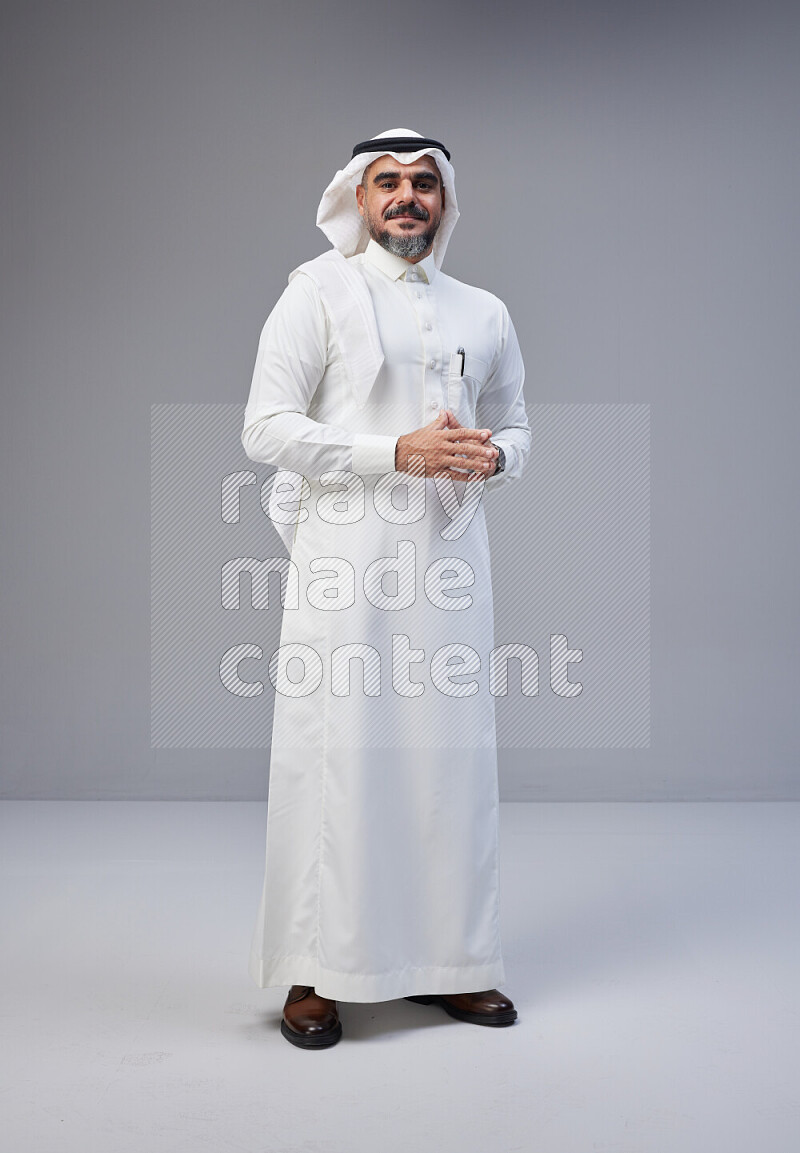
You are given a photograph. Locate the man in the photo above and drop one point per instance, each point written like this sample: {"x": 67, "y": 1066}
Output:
{"x": 389, "y": 396}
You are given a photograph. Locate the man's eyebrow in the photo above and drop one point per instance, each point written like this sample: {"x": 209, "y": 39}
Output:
{"x": 430, "y": 176}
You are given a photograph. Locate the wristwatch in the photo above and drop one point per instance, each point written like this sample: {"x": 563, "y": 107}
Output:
{"x": 500, "y": 464}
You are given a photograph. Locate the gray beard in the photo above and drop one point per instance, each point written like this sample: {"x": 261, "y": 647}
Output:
{"x": 409, "y": 247}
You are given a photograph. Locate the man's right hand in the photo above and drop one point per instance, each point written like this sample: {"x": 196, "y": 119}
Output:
{"x": 447, "y": 450}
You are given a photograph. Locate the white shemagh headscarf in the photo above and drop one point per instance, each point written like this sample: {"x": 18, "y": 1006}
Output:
{"x": 338, "y": 214}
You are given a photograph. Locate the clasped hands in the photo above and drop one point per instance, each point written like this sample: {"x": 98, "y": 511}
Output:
{"x": 449, "y": 448}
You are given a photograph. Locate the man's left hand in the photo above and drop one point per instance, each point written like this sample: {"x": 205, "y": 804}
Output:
{"x": 454, "y": 422}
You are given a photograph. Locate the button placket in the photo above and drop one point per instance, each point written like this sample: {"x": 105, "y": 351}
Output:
{"x": 432, "y": 351}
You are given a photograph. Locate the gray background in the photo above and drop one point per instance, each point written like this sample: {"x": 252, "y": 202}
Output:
{"x": 628, "y": 180}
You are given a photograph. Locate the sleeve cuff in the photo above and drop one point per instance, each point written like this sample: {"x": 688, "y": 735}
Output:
{"x": 373, "y": 453}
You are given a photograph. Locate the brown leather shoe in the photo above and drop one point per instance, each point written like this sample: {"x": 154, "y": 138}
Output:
{"x": 489, "y": 1007}
{"x": 310, "y": 1021}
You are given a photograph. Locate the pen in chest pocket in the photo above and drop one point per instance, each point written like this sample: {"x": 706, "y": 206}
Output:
{"x": 460, "y": 352}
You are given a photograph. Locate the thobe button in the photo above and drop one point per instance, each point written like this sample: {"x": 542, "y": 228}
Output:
{"x": 433, "y": 404}
{"x": 433, "y": 364}
{"x": 413, "y": 276}
{"x": 429, "y": 326}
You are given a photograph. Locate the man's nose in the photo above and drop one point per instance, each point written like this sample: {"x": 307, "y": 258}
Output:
{"x": 406, "y": 191}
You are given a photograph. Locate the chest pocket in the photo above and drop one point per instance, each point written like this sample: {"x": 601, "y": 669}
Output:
{"x": 462, "y": 391}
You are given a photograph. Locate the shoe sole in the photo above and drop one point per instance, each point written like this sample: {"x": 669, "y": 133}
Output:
{"x": 507, "y": 1017}
{"x": 312, "y": 1040}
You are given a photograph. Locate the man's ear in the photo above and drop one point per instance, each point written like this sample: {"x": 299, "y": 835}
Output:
{"x": 360, "y": 193}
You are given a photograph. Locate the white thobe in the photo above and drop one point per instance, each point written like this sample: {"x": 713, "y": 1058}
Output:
{"x": 381, "y": 876}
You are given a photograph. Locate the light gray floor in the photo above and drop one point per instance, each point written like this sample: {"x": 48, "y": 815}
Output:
{"x": 652, "y": 951}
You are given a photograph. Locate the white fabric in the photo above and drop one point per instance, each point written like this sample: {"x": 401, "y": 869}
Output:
{"x": 381, "y": 876}
{"x": 338, "y": 214}
{"x": 348, "y": 303}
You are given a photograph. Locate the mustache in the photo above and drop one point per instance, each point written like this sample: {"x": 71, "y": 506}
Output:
{"x": 415, "y": 210}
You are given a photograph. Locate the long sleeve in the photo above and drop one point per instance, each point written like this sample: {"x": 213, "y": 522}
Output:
{"x": 291, "y": 361}
{"x": 501, "y": 406}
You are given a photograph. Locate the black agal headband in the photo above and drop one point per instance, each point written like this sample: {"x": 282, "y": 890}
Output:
{"x": 398, "y": 144}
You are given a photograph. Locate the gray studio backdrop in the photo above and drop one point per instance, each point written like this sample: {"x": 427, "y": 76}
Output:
{"x": 628, "y": 181}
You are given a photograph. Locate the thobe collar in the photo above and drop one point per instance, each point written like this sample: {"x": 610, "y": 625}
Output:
{"x": 395, "y": 267}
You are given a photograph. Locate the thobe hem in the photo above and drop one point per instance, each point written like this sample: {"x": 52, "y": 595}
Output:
{"x": 410, "y": 981}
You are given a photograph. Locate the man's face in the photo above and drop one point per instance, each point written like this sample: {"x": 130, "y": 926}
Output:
{"x": 402, "y": 205}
